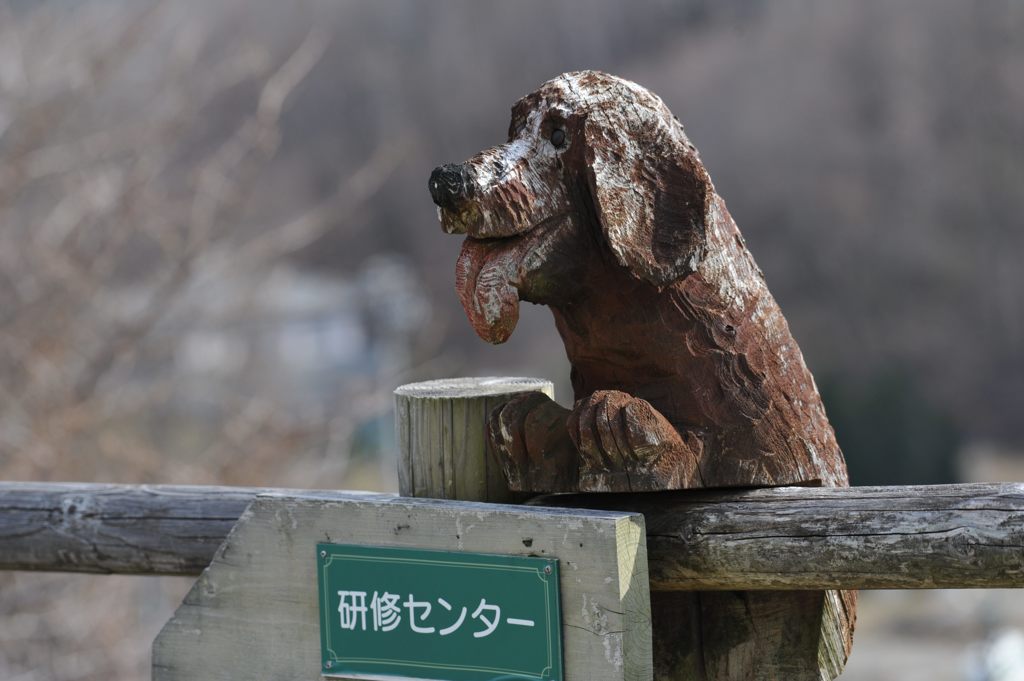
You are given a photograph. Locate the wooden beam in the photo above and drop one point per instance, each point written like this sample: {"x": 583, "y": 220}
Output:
{"x": 125, "y": 529}
{"x": 794, "y": 538}
{"x": 916, "y": 537}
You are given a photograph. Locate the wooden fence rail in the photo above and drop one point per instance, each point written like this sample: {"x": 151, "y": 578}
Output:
{"x": 126, "y": 529}
{"x": 915, "y": 537}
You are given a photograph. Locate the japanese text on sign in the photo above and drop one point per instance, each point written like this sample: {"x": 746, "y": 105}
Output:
{"x": 386, "y": 614}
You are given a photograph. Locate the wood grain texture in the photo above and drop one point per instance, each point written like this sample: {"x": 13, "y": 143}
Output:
{"x": 699, "y": 636}
{"x": 127, "y": 529}
{"x": 916, "y": 537}
{"x": 909, "y": 537}
{"x": 443, "y": 450}
{"x": 253, "y": 612}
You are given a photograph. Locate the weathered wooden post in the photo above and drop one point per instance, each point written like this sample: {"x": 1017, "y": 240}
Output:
{"x": 442, "y": 444}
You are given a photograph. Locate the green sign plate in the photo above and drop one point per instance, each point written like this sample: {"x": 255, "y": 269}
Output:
{"x": 418, "y": 614}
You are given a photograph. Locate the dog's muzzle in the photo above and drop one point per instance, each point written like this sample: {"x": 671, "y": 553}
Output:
{"x": 449, "y": 185}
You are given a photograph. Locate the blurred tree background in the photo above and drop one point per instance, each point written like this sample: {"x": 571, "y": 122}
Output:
{"x": 218, "y": 255}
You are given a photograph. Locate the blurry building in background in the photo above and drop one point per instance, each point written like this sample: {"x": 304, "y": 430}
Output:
{"x": 288, "y": 334}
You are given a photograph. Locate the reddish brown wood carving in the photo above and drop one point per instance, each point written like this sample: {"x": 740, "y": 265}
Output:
{"x": 684, "y": 370}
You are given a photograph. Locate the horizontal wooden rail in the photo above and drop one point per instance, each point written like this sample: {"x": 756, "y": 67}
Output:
{"x": 128, "y": 529}
{"x": 941, "y": 536}
{"x": 906, "y": 537}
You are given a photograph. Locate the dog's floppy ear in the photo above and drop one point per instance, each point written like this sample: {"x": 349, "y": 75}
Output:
{"x": 651, "y": 193}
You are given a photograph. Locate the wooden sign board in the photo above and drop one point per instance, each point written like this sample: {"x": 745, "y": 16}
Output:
{"x": 254, "y": 613}
{"x": 388, "y": 613}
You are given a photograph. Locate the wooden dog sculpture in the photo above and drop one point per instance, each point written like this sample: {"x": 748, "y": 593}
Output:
{"x": 684, "y": 370}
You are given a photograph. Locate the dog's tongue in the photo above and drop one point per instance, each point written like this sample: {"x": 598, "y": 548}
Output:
{"x": 483, "y": 279}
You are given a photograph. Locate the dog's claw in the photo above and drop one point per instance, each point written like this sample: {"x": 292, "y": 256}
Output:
{"x": 610, "y": 441}
{"x": 506, "y": 429}
{"x": 528, "y": 436}
{"x": 625, "y": 444}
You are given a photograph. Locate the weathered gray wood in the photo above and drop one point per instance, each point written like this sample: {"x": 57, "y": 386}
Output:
{"x": 917, "y": 537}
{"x": 909, "y": 537}
{"x": 128, "y": 529}
{"x": 253, "y": 612}
{"x": 439, "y": 426}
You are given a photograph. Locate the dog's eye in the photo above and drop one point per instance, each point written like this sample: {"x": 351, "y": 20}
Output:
{"x": 558, "y": 137}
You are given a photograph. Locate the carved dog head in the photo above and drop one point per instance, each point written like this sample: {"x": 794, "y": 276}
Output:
{"x": 576, "y": 173}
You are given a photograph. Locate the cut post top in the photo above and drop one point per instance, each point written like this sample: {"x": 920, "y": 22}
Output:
{"x": 484, "y": 386}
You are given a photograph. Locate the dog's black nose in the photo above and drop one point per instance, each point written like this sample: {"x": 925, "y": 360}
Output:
{"x": 449, "y": 184}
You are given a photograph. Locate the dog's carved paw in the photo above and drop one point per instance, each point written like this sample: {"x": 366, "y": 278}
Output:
{"x": 506, "y": 429}
{"x": 528, "y": 436}
{"x": 625, "y": 444}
